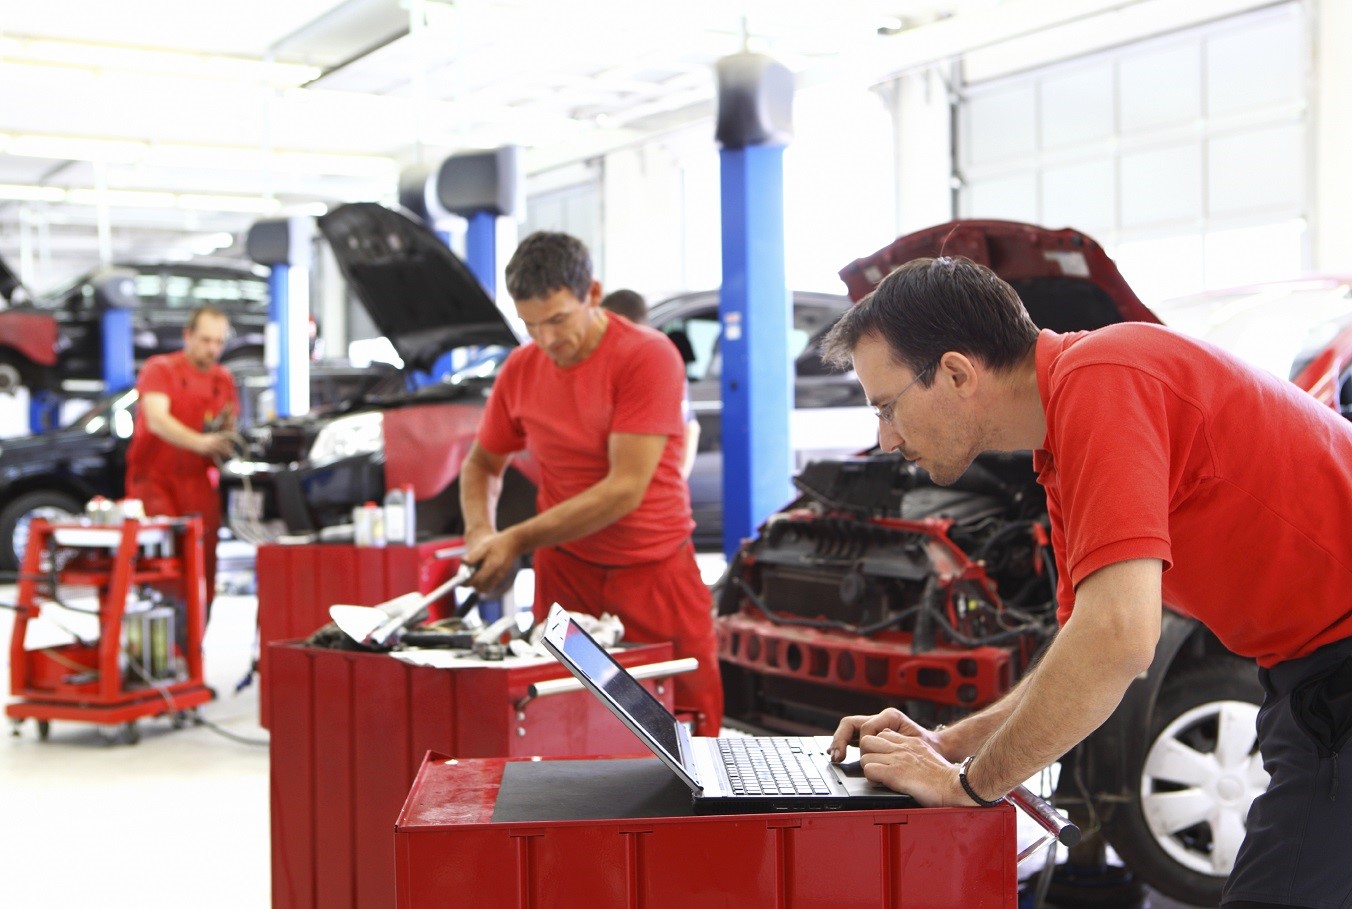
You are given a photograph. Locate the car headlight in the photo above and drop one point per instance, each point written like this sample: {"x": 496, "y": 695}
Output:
{"x": 346, "y": 437}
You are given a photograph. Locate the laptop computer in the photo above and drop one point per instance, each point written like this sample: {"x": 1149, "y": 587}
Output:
{"x": 725, "y": 775}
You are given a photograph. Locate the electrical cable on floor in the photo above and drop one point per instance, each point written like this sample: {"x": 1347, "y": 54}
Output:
{"x": 197, "y": 719}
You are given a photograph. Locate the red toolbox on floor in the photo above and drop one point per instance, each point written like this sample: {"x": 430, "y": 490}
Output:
{"x": 349, "y": 730}
{"x": 298, "y": 584}
{"x": 453, "y": 848}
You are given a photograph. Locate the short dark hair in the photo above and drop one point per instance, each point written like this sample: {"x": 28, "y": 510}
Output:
{"x": 547, "y": 261}
{"x": 205, "y": 310}
{"x": 628, "y": 303}
{"x": 928, "y": 307}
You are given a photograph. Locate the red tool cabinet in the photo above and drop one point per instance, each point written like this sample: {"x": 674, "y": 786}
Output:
{"x": 450, "y": 853}
{"x": 93, "y": 681}
{"x": 349, "y": 730}
{"x": 298, "y": 584}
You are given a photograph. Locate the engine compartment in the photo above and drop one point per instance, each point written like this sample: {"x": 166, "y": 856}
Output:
{"x": 878, "y": 583}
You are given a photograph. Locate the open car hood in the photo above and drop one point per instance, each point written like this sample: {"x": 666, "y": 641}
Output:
{"x": 1065, "y": 279}
{"x": 417, "y": 292}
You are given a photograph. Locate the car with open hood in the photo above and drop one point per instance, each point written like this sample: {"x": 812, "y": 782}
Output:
{"x": 304, "y": 474}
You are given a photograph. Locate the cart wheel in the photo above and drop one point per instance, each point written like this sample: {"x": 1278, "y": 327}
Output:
{"x": 131, "y": 733}
{"x": 44, "y": 730}
{"x": 179, "y": 719}
{"x": 15, "y": 727}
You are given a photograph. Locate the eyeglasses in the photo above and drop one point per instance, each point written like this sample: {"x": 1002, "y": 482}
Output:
{"x": 884, "y": 413}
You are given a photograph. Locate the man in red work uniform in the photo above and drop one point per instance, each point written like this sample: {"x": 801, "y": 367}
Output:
{"x": 185, "y": 417}
{"x": 597, "y": 401}
{"x": 1174, "y": 472}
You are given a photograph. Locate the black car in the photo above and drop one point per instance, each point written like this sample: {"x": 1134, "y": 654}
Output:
{"x": 308, "y": 473}
{"x": 52, "y": 475}
{"x": 55, "y": 342}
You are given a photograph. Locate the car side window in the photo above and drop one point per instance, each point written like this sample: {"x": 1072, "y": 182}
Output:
{"x": 696, "y": 337}
{"x": 813, "y": 322}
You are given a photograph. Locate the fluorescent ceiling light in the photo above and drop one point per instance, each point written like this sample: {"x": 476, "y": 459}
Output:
{"x": 307, "y": 210}
{"x": 106, "y": 57}
{"x": 221, "y": 157}
{"x": 27, "y": 193}
{"x": 113, "y": 151}
{"x": 246, "y": 204}
{"x": 120, "y": 198}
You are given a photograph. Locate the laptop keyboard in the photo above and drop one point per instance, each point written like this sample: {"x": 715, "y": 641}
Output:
{"x": 771, "y": 766}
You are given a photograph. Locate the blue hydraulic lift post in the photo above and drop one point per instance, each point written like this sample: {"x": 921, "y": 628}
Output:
{"x": 119, "y": 359}
{"x": 284, "y": 246}
{"x": 481, "y": 248}
{"x": 482, "y": 187}
{"x": 755, "y": 98}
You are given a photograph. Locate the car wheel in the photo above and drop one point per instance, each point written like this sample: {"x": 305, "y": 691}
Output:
{"x": 11, "y": 374}
{"x": 15, "y": 518}
{"x": 1184, "y": 821}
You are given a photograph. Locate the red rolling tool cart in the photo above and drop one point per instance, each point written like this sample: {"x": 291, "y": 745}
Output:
{"x": 350, "y": 729}
{"x": 298, "y": 583}
{"x": 139, "y": 665}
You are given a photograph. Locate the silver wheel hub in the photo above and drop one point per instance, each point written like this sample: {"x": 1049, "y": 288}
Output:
{"x": 1200, "y": 777}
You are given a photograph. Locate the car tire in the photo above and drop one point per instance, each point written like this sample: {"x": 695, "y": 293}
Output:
{"x": 15, "y": 516}
{"x": 1189, "y": 800}
{"x": 14, "y": 372}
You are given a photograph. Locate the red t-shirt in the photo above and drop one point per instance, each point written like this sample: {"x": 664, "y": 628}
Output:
{"x": 195, "y": 396}
{"x": 1160, "y": 446}
{"x": 633, "y": 382}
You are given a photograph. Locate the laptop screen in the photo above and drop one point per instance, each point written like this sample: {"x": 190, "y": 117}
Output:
{"x": 644, "y": 709}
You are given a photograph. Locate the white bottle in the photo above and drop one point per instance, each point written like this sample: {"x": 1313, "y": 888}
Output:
{"x": 375, "y": 520}
{"x": 400, "y": 522}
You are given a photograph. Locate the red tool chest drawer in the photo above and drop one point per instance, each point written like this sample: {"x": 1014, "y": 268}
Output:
{"x": 449, "y": 852}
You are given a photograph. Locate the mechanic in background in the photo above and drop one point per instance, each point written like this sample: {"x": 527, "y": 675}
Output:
{"x": 1173, "y": 471}
{"x": 185, "y": 420}
{"x": 631, "y": 305}
{"x": 597, "y": 401}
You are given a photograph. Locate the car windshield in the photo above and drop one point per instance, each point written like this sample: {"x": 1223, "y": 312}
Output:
{"x": 96, "y": 418}
{"x": 1278, "y": 328}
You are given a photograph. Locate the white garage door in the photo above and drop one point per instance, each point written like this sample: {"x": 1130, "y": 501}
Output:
{"x": 1185, "y": 155}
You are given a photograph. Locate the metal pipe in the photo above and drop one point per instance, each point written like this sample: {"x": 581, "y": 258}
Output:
{"x": 1047, "y": 817}
{"x": 647, "y": 671}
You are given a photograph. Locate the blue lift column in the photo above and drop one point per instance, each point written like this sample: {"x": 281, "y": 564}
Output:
{"x": 481, "y": 187}
{"x": 283, "y": 245}
{"x": 755, "y": 106}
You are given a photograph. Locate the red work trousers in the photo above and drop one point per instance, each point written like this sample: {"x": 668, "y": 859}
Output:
{"x": 182, "y": 496}
{"x": 657, "y": 601}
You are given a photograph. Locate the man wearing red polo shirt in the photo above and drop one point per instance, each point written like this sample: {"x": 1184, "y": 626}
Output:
{"x": 185, "y": 417}
{"x": 597, "y": 401}
{"x": 1174, "y": 473}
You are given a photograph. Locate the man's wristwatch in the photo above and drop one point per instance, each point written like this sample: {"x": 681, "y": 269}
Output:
{"x": 967, "y": 787}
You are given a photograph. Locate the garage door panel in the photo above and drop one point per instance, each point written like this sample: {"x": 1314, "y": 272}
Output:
{"x": 1256, "y": 169}
{"x": 1162, "y": 186}
{"x": 1160, "y": 86}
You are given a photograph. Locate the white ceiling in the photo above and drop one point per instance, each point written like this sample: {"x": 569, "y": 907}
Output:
{"x": 191, "y": 119}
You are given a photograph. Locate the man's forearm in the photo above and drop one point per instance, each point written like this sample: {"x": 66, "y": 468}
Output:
{"x": 1066, "y": 698}
{"x": 175, "y": 432}
{"x": 965, "y": 737}
{"x": 480, "y": 490}
{"x": 585, "y": 513}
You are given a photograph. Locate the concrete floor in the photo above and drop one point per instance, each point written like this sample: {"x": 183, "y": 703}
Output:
{"x": 179, "y": 819}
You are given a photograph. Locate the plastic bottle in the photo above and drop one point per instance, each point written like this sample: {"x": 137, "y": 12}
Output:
{"x": 375, "y": 521}
{"x": 400, "y": 521}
